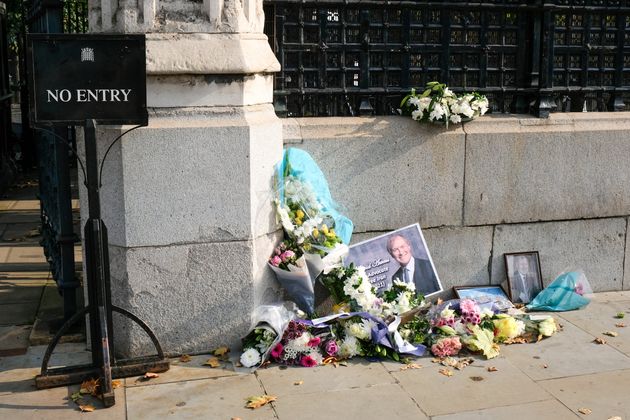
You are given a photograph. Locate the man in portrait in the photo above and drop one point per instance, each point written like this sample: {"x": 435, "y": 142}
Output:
{"x": 412, "y": 270}
{"x": 524, "y": 281}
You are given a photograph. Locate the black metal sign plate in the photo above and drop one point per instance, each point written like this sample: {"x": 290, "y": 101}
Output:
{"x": 79, "y": 77}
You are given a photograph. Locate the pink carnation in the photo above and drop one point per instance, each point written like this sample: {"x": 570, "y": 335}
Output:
{"x": 308, "y": 361}
{"x": 276, "y": 352}
{"x": 287, "y": 254}
{"x": 579, "y": 289}
{"x": 275, "y": 261}
{"x": 314, "y": 342}
{"x": 448, "y": 346}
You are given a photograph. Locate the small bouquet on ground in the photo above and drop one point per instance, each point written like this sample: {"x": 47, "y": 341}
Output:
{"x": 438, "y": 104}
{"x": 268, "y": 322}
{"x": 462, "y": 324}
{"x": 305, "y": 345}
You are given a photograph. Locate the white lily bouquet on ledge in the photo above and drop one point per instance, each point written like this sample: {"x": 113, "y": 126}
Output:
{"x": 438, "y": 104}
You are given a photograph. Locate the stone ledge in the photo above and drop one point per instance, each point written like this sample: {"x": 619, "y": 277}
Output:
{"x": 225, "y": 54}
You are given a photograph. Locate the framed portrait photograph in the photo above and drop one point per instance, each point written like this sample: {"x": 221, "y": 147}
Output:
{"x": 523, "y": 275}
{"x": 401, "y": 254}
{"x": 491, "y": 297}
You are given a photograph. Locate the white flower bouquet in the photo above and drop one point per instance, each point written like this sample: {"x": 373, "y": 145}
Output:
{"x": 438, "y": 104}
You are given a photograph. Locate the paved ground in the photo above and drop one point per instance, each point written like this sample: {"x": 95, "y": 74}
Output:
{"x": 552, "y": 379}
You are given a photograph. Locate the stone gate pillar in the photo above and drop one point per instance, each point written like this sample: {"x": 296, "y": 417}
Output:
{"x": 187, "y": 199}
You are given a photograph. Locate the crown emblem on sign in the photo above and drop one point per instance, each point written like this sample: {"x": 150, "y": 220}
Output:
{"x": 87, "y": 54}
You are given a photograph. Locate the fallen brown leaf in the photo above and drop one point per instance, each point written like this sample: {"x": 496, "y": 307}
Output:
{"x": 545, "y": 366}
{"x": 298, "y": 382}
{"x": 411, "y": 366}
{"x": 476, "y": 378}
{"x": 620, "y": 325}
{"x": 492, "y": 369}
{"x": 599, "y": 340}
{"x": 87, "y": 408}
{"x": 150, "y": 375}
{"x": 185, "y": 358}
{"x": 236, "y": 418}
{"x": 614, "y": 418}
{"x": 89, "y": 387}
{"x": 213, "y": 362}
{"x": 610, "y": 333}
{"x": 439, "y": 301}
{"x": 585, "y": 411}
{"x": 446, "y": 372}
{"x": 257, "y": 402}
{"x": 436, "y": 360}
{"x": 457, "y": 364}
{"x": 221, "y": 351}
{"x": 116, "y": 383}
{"x": 518, "y": 340}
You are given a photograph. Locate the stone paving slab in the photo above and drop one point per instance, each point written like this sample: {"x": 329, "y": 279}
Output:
{"x": 435, "y": 392}
{"x": 550, "y": 409}
{"x": 357, "y": 374}
{"x": 22, "y": 254}
{"x": 55, "y": 403}
{"x": 188, "y": 371}
{"x": 18, "y": 313}
{"x": 606, "y": 393}
{"x": 220, "y": 398}
{"x": 376, "y": 402}
{"x": 21, "y": 291}
{"x": 600, "y": 318}
{"x": 569, "y": 353}
{"x": 14, "y": 340}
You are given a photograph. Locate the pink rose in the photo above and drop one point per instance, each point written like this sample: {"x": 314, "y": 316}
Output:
{"x": 308, "y": 361}
{"x": 448, "y": 346}
{"x": 276, "y": 352}
{"x": 579, "y": 289}
{"x": 287, "y": 254}
{"x": 331, "y": 348}
{"x": 314, "y": 342}
{"x": 275, "y": 261}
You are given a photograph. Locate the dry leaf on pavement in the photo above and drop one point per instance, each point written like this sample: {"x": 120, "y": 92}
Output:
{"x": 185, "y": 358}
{"x": 614, "y": 418}
{"x": 610, "y": 333}
{"x": 585, "y": 411}
{"x": 298, "y": 382}
{"x": 599, "y": 340}
{"x": 213, "y": 362}
{"x": 620, "y": 325}
{"x": 150, "y": 375}
{"x": 116, "y": 383}
{"x": 90, "y": 387}
{"x": 411, "y": 366}
{"x": 257, "y": 402}
{"x": 446, "y": 372}
{"x": 221, "y": 351}
{"x": 87, "y": 408}
{"x": 492, "y": 369}
{"x": 476, "y": 378}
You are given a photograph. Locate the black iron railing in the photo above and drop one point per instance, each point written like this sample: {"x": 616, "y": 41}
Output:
{"x": 351, "y": 57}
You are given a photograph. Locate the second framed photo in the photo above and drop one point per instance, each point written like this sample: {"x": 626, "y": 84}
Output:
{"x": 491, "y": 297}
{"x": 523, "y": 275}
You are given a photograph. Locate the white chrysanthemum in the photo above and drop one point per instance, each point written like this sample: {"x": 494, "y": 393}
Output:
{"x": 357, "y": 330}
{"x": 316, "y": 355}
{"x": 250, "y": 357}
{"x": 349, "y": 347}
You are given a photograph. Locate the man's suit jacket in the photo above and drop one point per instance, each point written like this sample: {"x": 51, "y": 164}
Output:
{"x": 423, "y": 277}
{"x": 521, "y": 295}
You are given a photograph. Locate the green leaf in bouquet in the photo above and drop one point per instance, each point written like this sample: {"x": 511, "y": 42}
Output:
{"x": 482, "y": 340}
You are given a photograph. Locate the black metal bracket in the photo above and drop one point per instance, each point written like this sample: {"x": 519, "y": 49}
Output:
{"x": 104, "y": 364}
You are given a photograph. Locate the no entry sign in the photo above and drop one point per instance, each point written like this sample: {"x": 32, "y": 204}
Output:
{"x": 79, "y": 77}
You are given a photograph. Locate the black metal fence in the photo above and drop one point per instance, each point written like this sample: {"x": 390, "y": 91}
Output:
{"x": 351, "y": 57}
{"x": 5, "y": 97}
